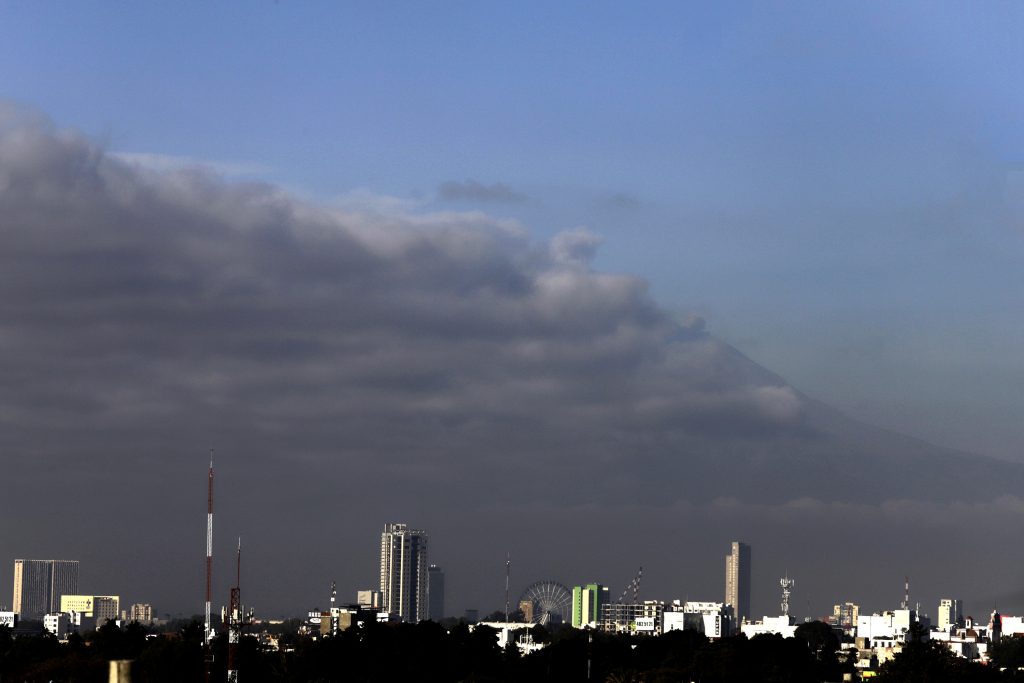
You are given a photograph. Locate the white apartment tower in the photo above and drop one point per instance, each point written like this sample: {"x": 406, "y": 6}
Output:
{"x": 951, "y": 613}
{"x": 737, "y": 580}
{"x": 39, "y": 585}
{"x": 403, "y": 572}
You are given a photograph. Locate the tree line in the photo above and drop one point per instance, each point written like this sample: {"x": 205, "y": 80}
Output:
{"x": 430, "y": 652}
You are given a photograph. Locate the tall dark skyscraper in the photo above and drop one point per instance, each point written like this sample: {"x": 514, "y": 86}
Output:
{"x": 403, "y": 572}
{"x": 737, "y": 580}
{"x": 435, "y": 593}
{"x": 38, "y": 585}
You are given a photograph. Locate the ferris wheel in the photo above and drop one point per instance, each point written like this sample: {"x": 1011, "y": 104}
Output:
{"x": 551, "y": 601}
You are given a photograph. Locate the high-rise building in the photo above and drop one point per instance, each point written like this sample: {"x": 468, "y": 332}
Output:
{"x": 403, "y": 572}
{"x": 435, "y": 593}
{"x": 586, "y": 604}
{"x": 951, "y": 613}
{"x": 737, "y": 580}
{"x": 39, "y": 585}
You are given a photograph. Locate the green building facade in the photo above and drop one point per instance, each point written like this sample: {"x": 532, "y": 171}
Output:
{"x": 586, "y": 603}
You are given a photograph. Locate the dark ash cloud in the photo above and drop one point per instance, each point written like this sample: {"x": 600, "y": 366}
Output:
{"x": 144, "y": 290}
{"x": 471, "y": 190}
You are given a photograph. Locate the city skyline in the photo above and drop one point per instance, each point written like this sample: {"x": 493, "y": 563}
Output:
{"x": 404, "y": 584}
{"x": 402, "y": 553}
{"x": 591, "y": 286}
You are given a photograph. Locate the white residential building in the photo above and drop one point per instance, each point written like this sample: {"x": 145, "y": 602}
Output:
{"x": 403, "y": 572}
{"x": 1012, "y": 626}
{"x": 962, "y": 642}
{"x": 783, "y": 625}
{"x": 516, "y": 631}
{"x": 57, "y": 623}
{"x": 951, "y": 613}
{"x": 893, "y": 625}
{"x": 713, "y": 619}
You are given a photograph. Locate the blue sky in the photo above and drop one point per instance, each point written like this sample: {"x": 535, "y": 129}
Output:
{"x": 836, "y": 188}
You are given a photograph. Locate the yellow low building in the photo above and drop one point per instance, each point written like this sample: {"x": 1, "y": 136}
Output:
{"x": 98, "y": 607}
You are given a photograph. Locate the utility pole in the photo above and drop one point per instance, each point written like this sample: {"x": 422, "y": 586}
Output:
{"x": 590, "y": 647}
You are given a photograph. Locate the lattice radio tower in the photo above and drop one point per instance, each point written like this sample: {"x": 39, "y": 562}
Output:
{"x": 787, "y": 587}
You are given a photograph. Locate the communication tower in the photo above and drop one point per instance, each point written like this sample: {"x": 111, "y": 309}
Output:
{"x": 237, "y": 618}
{"x": 787, "y": 587}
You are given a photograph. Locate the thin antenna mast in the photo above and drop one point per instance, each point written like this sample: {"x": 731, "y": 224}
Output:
{"x": 508, "y": 573}
{"x": 208, "y": 630}
{"x": 208, "y": 625}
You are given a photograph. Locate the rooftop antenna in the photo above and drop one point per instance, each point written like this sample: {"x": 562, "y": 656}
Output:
{"x": 787, "y": 586}
{"x": 906, "y": 593}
